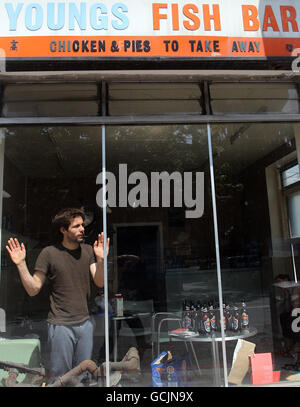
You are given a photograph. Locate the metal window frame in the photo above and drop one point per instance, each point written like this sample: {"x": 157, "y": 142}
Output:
{"x": 104, "y": 78}
{"x": 150, "y": 120}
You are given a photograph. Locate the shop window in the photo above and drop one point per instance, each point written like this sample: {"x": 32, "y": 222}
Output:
{"x": 290, "y": 178}
{"x": 154, "y": 98}
{"x": 290, "y": 175}
{"x": 252, "y": 224}
{"x": 160, "y": 257}
{"x": 258, "y": 98}
{"x": 53, "y": 99}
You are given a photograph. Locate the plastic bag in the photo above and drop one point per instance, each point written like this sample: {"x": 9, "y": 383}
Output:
{"x": 168, "y": 371}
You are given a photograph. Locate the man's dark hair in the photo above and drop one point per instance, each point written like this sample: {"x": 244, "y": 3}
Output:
{"x": 63, "y": 219}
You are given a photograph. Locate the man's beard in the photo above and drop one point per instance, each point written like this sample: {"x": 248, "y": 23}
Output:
{"x": 76, "y": 239}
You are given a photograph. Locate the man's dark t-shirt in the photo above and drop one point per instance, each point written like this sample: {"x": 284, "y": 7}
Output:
{"x": 68, "y": 272}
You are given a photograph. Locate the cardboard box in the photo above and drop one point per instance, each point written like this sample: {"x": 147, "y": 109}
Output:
{"x": 276, "y": 376}
{"x": 262, "y": 368}
{"x": 241, "y": 361}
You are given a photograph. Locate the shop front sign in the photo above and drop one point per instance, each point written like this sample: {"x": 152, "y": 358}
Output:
{"x": 167, "y": 29}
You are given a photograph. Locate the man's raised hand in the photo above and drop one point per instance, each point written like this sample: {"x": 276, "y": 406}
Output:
{"x": 99, "y": 247}
{"x": 16, "y": 251}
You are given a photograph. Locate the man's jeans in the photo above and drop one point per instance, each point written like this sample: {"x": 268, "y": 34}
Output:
{"x": 69, "y": 346}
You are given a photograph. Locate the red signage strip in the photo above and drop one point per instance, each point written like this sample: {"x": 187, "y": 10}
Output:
{"x": 147, "y": 47}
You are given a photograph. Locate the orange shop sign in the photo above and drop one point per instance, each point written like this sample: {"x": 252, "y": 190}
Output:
{"x": 149, "y": 28}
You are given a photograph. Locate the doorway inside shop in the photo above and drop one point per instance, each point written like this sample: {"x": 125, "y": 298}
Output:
{"x": 139, "y": 250}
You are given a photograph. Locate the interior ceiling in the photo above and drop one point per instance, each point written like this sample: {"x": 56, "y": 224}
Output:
{"x": 241, "y": 145}
{"x": 51, "y": 152}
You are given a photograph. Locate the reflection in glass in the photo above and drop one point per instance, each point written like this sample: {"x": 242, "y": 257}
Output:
{"x": 162, "y": 256}
{"x": 255, "y": 246}
{"x": 46, "y": 169}
{"x": 159, "y": 256}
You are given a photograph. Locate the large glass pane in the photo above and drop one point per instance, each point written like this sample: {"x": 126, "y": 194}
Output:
{"x": 259, "y": 260}
{"x": 46, "y": 169}
{"x": 162, "y": 248}
{"x": 162, "y": 243}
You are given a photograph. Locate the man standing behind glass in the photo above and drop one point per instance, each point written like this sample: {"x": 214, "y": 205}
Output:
{"x": 67, "y": 266}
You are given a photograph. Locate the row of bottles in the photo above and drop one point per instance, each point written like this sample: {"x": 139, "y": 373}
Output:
{"x": 205, "y": 318}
